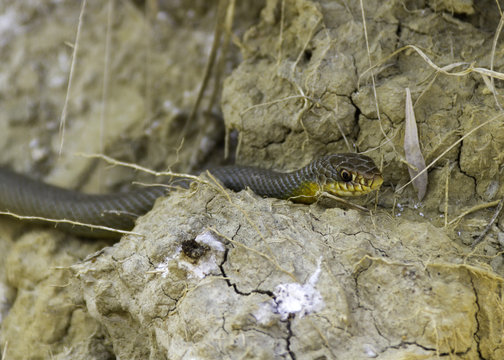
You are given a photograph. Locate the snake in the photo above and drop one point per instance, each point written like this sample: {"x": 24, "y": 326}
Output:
{"x": 344, "y": 174}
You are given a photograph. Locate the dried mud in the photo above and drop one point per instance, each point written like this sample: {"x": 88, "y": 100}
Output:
{"x": 394, "y": 284}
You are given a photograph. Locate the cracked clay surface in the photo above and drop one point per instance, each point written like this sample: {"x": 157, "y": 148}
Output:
{"x": 363, "y": 282}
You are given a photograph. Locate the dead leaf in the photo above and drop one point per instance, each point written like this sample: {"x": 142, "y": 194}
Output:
{"x": 412, "y": 151}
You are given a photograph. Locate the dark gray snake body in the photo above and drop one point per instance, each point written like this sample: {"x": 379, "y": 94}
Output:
{"x": 340, "y": 174}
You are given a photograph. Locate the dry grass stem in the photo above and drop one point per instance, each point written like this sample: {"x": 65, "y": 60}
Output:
{"x": 257, "y": 252}
{"x": 375, "y": 94}
{"x": 115, "y": 162}
{"x": 106, "y": 70}
{"x": 496, "y": 215}
{"x": 226, "y": 38}
{"x": 280, "y": 37}
{"x": 447, "y": 183}
{"x": 219, "y": 26}
{"x": 492, "y": 58}
{"x": 474, "y": 209}
{"x": 446, "y": 70}
{"x": 70, "y": 77}
{"x": 4, "y": 353}
{"x": 343, "y": 201}
{"x": 251, "y": 223}
{"x": 72, "y": 222}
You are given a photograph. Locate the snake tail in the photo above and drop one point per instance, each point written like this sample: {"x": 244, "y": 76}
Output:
{"x": 26, "y": 197}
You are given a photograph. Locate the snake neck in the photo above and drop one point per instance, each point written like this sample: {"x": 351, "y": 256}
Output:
{"x": 299, "y": 186}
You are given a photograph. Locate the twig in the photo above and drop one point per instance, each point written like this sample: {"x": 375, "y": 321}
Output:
{"x": 375, "y": 94}
{"x": 115, "y": 162}
{"x": 492, "y": 221}
{"x": 341, "y": 200}
{"x": 106, "y": 73}
{"x": 221, "y": 11}
{"x": 492, "y": 57}
{"x": 447, "y": 183}
{"x": 271, "y": 259}
{"x": 251, "y": 223}
{"x": 473, "y": 209}
{"x": 71, "y": 222}
{"x": 280, "y": 37}
{"x": 4, "y": 353}
{"x": 70, "y": 77}
{"x": 444, "y": 70}
{"x": 219, "y": 68}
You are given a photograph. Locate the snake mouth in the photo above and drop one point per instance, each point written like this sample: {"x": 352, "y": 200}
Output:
{"x": 376, "y": 182}
{"x": 359, "y": 186}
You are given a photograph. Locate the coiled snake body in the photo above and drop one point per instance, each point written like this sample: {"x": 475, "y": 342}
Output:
{"x": 339, "y": 174}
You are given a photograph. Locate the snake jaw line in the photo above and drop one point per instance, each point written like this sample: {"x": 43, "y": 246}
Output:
{"x": 376, "y": 182}
{"x": 361, "y": 186}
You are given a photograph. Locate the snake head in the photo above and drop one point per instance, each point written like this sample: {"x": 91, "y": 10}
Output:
{"x": 350, "y": 175}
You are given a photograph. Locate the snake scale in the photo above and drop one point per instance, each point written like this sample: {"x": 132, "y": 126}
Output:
{"x": 345, "y": 174}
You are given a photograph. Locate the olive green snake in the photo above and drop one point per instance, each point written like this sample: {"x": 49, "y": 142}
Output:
{"x": 345, "y": 174}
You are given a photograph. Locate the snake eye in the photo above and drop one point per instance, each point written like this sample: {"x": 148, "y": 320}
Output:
{"x": 345, "y": 175}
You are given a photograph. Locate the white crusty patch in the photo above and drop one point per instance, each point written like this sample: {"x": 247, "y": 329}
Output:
{"x": 209, "y": 238}
{"x": 163, "y": 267}
{"x": 205, "y": 266}
{"x": 292, "y": 298}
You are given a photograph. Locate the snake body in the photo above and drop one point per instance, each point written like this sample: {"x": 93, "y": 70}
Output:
{"x": 339, "y": 174}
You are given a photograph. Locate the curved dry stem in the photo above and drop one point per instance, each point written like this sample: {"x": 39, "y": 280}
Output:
{"x": 446, "y": 70}
{"x": 343, "y": 201}
{"x": 496, "y": 215}
{"x": 257, "y": 252}
{"x": 474, "y": 209}
{"x": 270, "y": 257}
{"x": 219, "y": 26}
{"x": 492, "y": 58}
{"x": 4, "y": 353}
{"x": 71, "y": 222}
{"x": 70, "y": 77}
{"x": 293, "y": 97}
{"x": 115, "y": 162}
{"x": 372, "y": 75}
{"x": 106, "y": 71}
{"x": 280, "y": 36}
{"x": 219, "y": 69}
